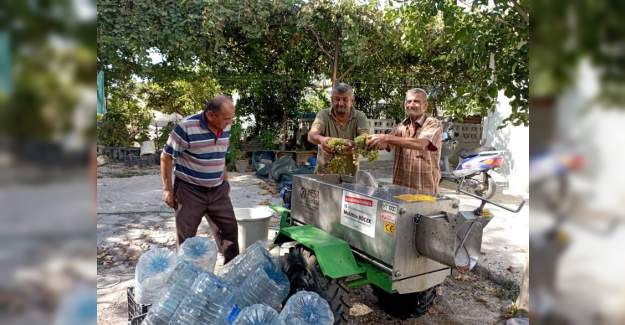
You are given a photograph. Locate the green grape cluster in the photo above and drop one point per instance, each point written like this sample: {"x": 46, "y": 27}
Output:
{"x": 341, "y": 163}
{"x": 338, "y": 145}
{"x": 362, "y": 150}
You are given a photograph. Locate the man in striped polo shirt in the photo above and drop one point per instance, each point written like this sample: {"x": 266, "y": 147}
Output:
{"x": 197, "y": 146}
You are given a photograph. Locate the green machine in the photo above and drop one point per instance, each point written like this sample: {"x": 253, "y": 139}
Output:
{"x": 347, "y": 232}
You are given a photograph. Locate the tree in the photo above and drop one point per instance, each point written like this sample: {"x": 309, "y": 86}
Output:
{"x": 349, "y": 35}
{"x": 184, "y": 97}
{"x": 273, "y": 53}
{"x": 565, "y": 32}
{"x": 468, "y": 53}
{"x": 126, "y": 120}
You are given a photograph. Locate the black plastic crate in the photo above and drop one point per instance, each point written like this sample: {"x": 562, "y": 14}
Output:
{"x": 137, "y": 320}
{"x": 136, "y": 312}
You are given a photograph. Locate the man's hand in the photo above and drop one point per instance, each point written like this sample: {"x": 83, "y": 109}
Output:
{"x": 350, "y": 149}
{"x": 325, "y": 147}
{"x": 379, "y": 141}
{"x": 168, "y": 198}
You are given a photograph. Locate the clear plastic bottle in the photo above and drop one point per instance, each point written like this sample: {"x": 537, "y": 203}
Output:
{"x": 79, "y": 308}
{"x": 179, "y": 285}
{"x": 201, "y": 251}
{"x": 258, "y": 315}
{"x": 210, "y": 301}
{"x": 307, "y": 307}
{"x": 237, "y": 270}
{"x": 267, "y": 285}
{"x": 151, "y": 274}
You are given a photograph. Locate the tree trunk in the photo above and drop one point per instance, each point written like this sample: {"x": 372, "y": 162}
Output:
{"x": 285, "y": 130}
{"x": 337, "y": 48}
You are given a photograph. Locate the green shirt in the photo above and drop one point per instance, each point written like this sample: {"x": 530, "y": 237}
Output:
{"x": 327, "y": 126}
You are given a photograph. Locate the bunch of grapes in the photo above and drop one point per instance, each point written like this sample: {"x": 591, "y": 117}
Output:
{"x": 362, "y": 150}
{"x": 341, "y": 163}
{"x": 339, "y": 145}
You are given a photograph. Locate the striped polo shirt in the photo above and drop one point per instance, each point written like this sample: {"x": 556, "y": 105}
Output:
{"x": 199, "y": 154}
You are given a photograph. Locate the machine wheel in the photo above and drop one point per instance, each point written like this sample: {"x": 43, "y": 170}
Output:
{"x": 485, "y": 185}
{"x": 304, "y": 273}
{"x": 407, "y": 305}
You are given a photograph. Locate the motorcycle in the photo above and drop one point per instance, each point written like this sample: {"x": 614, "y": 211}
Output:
{"x": 474, "y": 166}
{"x": 549, "y": 179}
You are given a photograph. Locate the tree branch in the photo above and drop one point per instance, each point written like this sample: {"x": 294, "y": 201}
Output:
{"x": 521, "y": 11}
{"x": 330, "y": 56}
{"x": 370, "y": 49}
{"x": 344, "y": 74}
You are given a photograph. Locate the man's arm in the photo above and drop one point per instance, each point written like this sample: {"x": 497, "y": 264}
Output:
{"x": 427, "y": 139}
{"x": 168, "y": 189}
{"x": 315, "y": 136}
{"x": 362, "y": 126}
{"x": 408, "y": 143}
{"x": 177, "y": 142}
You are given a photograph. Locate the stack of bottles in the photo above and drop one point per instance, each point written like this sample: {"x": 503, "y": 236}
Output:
{"x": 306, "y": 308}
{"x": 200, "y": 251}
{"x": 249, "y": 290}
{"x": 151, "y": 274}
{"x": 239, "y": 268}
{"x": 267, "y": 284}
{"x": 179, "y": 285}
{"x": 210, "y": 301}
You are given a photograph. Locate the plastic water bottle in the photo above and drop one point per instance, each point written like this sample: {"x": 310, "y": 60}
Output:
{"x": 210, "y": 301}
{"x": 200, "y": 251}
{"x": 79, "y": 308}
{"x": 179, "y": 284}
{"x": 258, "y": 315}
{"x": 237, "y": 270}
{"x": 307, "y": 307}
{"x": 151, "y": 274}
{"x": 267, "y": 285}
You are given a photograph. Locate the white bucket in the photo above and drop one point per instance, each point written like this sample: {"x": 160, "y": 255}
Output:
{"x": 253, "y": 225}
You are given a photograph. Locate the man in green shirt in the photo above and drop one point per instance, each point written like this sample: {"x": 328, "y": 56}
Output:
{"x": 341, "y": 121}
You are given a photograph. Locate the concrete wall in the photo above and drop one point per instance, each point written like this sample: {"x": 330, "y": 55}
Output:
{"x": 514, "y": 140}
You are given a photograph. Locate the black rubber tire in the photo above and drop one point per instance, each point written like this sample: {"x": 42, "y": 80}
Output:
{"x": 487, "y": 184}
{"x": 304, "y": 273}
{"x": 407, "y": 305}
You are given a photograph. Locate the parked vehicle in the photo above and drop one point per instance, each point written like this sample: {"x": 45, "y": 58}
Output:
{"x": 549, "y": 178}
{"x": 474, "y": 166}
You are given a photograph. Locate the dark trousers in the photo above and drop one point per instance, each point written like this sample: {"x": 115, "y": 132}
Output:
{"x": 195, "y": 202}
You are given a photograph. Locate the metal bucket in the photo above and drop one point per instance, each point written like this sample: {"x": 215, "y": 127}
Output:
{"x": 253, "y": 224}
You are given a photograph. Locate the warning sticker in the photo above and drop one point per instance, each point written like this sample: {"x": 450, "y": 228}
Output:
{"x": 389, "y": 228}
{"x": 389, "y": 208}
{"x": 358, "y": 213}
{"x": 388, "y": 217}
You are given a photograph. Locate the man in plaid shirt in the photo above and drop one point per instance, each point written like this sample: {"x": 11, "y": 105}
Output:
{"x": 417, "y": 141}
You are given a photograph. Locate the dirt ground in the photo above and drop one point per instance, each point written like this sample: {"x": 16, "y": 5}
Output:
{"x": 131, "y": 219}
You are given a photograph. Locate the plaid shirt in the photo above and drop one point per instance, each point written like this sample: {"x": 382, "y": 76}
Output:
{"x": 415, "y": 168}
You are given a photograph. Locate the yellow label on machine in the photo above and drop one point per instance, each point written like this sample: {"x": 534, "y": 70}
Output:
{"x": 416, "y": 198}
{"x": 389, "y": 228}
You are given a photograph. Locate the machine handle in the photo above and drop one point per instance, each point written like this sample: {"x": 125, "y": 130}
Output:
{"x": 484, "y": 201}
